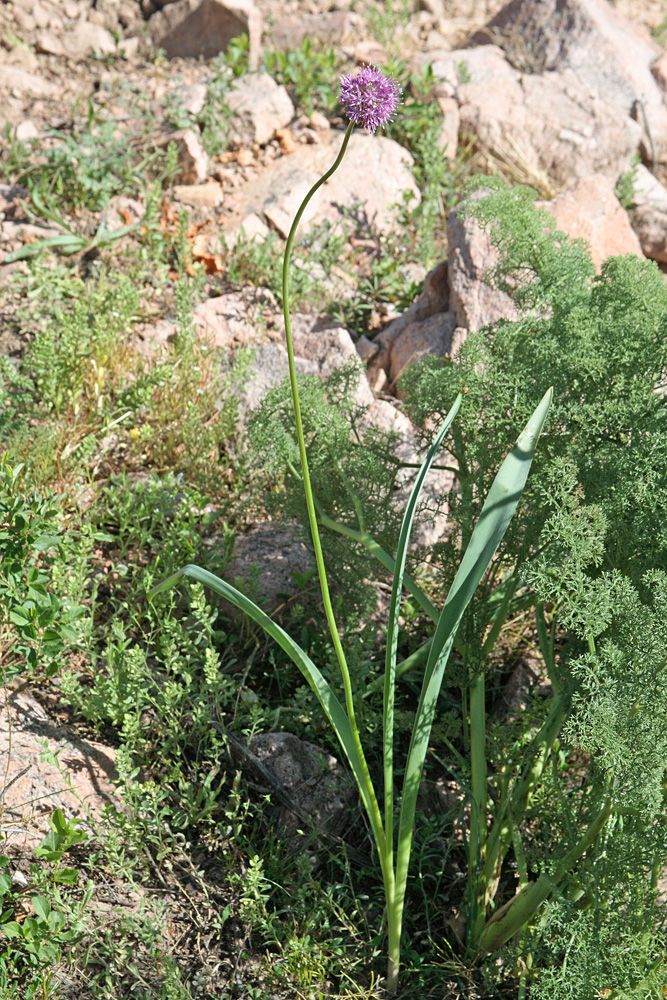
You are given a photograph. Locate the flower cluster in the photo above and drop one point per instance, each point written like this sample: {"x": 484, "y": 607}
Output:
{"x": 370, "y": 98}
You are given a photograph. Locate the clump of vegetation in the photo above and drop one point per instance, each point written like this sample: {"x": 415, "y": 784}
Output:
{"x": 36, "y": 623}
{"x": 309, "y": 72}
{"x": 82, "y": 168}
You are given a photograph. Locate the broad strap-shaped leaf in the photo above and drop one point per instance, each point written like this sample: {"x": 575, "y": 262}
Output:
{"x": 331, "y": 706}
{"x": 392, "y": 623}
{"x": 67, "y": 243}
{"x": 494, "y": 519}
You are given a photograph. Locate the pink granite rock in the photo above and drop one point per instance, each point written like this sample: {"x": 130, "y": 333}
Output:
{"x": 591, "y": 211}
{"x": 265, "y": 104}
{"x": 471, "y": 255}
{"x": 192, "y": 159}
{"x": 427, "y": 327}
{"x": 369, "y": 183}
{"x": 232, "y": 319}
{"x": 546, "y": 124}
{"x": 33, "y": 787}
{"x": 648, "y": 214}
{"x": 438, "y": 336}
{"x": 331, "y": 27}
{"x": 610, "y": 56}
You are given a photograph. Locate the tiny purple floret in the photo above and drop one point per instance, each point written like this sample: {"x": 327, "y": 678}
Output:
{"x": 370, "y": 98}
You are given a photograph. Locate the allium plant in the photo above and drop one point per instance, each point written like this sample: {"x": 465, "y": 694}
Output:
{"x": 370, "y": 99}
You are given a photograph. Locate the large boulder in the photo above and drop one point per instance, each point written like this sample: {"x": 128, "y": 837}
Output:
{"x": 471, "y": 256}
{"x": 547, "y": 125}
{"x": 321, "y": 345}
{"x": 370, "y": 181}
{"x": 591, "y": 211}
{"x": 326, "y": 346}
{"x": 194, "y": 29}
{"x": 428, "y": 326}
{"x": 610, "y": 56}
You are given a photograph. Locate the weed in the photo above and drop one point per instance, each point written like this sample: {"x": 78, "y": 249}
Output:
{"x": 36, "y": 624}
{"x": 82, "y": 169}
{"x": 308, "y": 73}
{"x": 84, "y": 389}
{"x": 462, "y": 72}
{"x": 54, "y": 922}
{"x": 237, "y": 55}
{"x": 625, "y": 187}
{"x": 388, "y": 21}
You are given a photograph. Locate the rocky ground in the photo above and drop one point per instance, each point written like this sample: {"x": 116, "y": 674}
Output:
{"x": 569, "y": 98}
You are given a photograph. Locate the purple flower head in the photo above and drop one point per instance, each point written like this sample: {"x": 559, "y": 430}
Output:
{"x": 370, "y": 98}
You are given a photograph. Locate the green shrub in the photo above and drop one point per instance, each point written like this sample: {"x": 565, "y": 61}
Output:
{"x": 81, "y": 169}
{"x": 309, "y": 72}
{"x": 35, "y": 623}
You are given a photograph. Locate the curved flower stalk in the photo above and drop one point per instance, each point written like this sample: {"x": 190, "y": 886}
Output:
{"x": 370, "y": 99}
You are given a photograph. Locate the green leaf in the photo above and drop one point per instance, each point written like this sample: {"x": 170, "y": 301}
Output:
{"x": 51, "y": 848}
{"x": 394, "y": 610}
{"x": 331, "y": 706}
{"x": 52, "y": 636}
{"x": 45, "y": 542}
{"x": 30, "y": 929}
{"x": 68, "y": 244}
{"x": 68, "y": 876}
{"x": 11, "y": 929}
{"x": 494, "y": 519}
{"x": 47, "y": 952}
{"x": 41, "y": 906}
{"x": 104, "y": 536}
{"x": 20, "y": 616}
{"x": 56, "y": 920}
{"x": 57, "y": 822}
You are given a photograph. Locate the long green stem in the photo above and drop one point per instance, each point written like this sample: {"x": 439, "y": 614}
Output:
{"x": 478, "y": 807}
{"x": 519, "y": 910}
{"x": 386, "y": 560}
{"x": 375, "y": 816}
